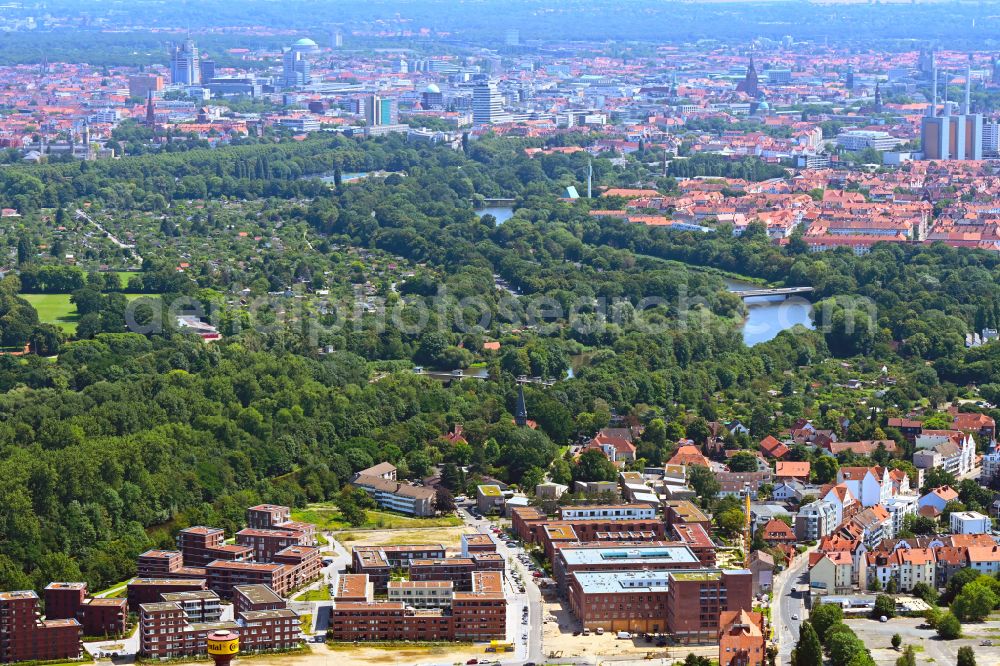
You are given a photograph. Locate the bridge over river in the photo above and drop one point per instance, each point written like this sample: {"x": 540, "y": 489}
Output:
{"x": 783, "y": 291}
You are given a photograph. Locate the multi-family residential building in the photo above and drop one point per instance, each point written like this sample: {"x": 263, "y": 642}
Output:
{"x": 776, "y": 532}
{"x": 870, "y": 485}
{"x": 479, "y": 614}
{"x": 938, "y": 498}
{"x": 697, "y": 598}
{"x": 198, "y": 605}
{"x": 422, "y": 593}
{"x": 815, "y": 520}
{"x": 223, "y": 576}
{"x": 609, "y": 512}
{"x": 984, "y": 559}
{"x": 201, "y": 545}
{"x": 24, "y": 636}
{"x": 904, "y": 566}
{"x": 899, "y": 507}
{"x": 389, "y": 494}
{"x": 970, "y": 522}
{"x": 951, "y": 450}
{"x": 831, "y": 573}
{"x": 180, "y": 628}
{"x": 255, "y": 598}
{"x": 489, "y": 499}
{"x": 150, "y": 590}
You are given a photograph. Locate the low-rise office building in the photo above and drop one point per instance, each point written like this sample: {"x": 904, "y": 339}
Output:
{"x": 686, "y": 604}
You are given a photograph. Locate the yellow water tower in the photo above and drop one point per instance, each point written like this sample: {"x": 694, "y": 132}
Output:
{"x": 223, "y": 645}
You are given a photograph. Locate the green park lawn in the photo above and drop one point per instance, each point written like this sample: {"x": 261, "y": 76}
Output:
{"x": 321, "y": 594}
{"x": 57, "y": 309}
{"x": 326, "y": 517}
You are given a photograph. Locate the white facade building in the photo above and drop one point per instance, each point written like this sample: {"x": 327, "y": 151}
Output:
{"x": 970, "y": 522}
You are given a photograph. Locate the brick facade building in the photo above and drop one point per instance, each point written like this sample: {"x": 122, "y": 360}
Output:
{"x": 26, "y": 637}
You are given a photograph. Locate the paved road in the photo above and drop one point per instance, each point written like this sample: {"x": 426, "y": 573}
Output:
{"x": 787, "y": 602}
{"x": 525, "y": 650}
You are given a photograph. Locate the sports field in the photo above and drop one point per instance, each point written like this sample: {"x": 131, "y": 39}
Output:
{"x": 57, "y": 309}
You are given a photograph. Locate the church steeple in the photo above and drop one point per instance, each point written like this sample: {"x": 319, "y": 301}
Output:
{"x": 748, "y": 85}
{"x": 878, "y": 97}
{"x": 150, "y": 110}
{"x": 521, "y": 413}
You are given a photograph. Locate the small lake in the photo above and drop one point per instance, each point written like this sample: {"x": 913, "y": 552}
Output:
{"x": 502, "y": 213}
{"x": 769, "y": 315}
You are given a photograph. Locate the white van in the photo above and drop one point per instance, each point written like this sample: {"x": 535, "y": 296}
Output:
{"x": 624, "y": 634}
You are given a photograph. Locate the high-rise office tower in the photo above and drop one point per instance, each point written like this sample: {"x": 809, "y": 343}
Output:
{"x": 207, "y": 69}
{"x": 185, "y": 64}
{"x": 487, "y": 104}
{"x": 378, "y": 110}
{"x": 338, "y": 38}
{"x": 296, "y": 70}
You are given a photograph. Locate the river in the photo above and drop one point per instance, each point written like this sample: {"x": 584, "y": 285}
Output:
{"x": 769, "y": 315}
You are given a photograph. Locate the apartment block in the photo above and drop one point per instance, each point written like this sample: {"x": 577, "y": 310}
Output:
{"x": 683, "y": 512}
{"x": 353, "y": 587}
{"x": 422, "y": 593}
{"x": 620, "y": 600}
{"x": 268, "y": 516}
{"x": 198, "y": 605}
{"x": 378, "y": 562}
{"x": 264, "y": 630}
{"x": 201, "y": 545}
{"x": 457, "y": 570}
{"x": 255, "y": 598}
{"x": 26, "y": 637}
{"x": 159, "y": 563}
{"x": 476, "y": 615}
{"x": 224, "y": 576}
{"x": 609, "y": 512}
{"x": 103, "y": 616}
{"x": 411, "y": 500}
{"x": 178, "y": 628}
{"x": 815, "y": 521}
{"x": 304, "y": 561}
{"x": 477, "y": 543}
{"x": 481, "y": 613}
{"x": 150, "y": 590}
{"x": 264, "y": 543}
{"x": 63, "y": 600}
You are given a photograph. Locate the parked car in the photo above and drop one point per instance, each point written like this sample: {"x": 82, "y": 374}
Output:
{"x": 599, "y": 631}
{"x": 624, "y": 635}
{"x": 473, "y": 661}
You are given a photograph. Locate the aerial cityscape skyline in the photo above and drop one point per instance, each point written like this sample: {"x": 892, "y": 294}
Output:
{"x": 507, "y": 333}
